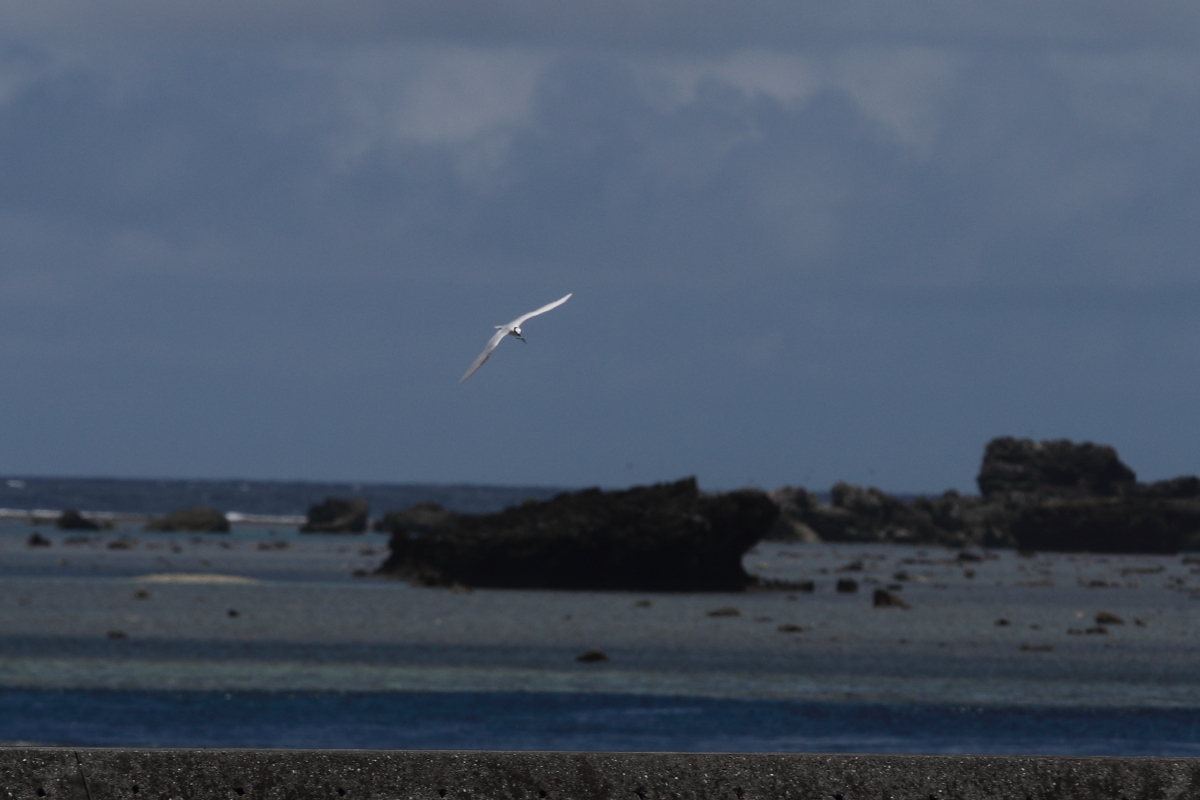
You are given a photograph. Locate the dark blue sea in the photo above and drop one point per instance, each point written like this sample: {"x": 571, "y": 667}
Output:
{"x": 528, "y": 721}
{"x": 282, "y": 498}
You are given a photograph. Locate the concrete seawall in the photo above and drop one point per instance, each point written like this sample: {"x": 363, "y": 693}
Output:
{"x": 100, "y": 774}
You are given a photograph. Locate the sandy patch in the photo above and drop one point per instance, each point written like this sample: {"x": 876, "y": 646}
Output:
{"x": 192, "y": 577}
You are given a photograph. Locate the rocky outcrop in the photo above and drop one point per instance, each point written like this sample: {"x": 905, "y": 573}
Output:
{"x": 1185, "y": 488}
{"x": 200, "y": 519}
{"x": 1061, "y": 496}
{"x": 337, "y": 515}
{"x": 1058, "y": 467}
{"x": 72, "y": 520}
{"x": 857, "y": 514}
{"x": 1107, "y": 525}
{"x": 1051, "y": 495}
{"x": 666, "y": 537}
{"x": 419, "y": 519}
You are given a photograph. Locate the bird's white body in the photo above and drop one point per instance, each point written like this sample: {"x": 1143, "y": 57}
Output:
{"x": 511, "y": 329}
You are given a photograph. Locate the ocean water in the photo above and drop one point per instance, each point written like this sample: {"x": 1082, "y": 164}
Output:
{"x": 276, "y": 498}
{"x": 579, "y": 722}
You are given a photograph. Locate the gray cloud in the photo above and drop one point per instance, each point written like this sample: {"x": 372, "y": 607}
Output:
{"x": 644, "y": 24}
{"x": 852, "y": 259}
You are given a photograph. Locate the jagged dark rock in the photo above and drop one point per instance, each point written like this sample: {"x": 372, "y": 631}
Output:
{"x": 1184, "y": 488}
{"x": 72, "y": 520}
{"x": 1117, "y": 525}
{"x": 882, "y": 598}
{"x": 1058, "y": 467}
{"x": 666, "y": 537}
{"x": 421, "y": 518}
{"x": 199, "y": 519}
{"x": 337, "y": 515}
{"x": 795, "y": 505}
{"x": 1057, "y": 495}
{"x": 858, "y": 514}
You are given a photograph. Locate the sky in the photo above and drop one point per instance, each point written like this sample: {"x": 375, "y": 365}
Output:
{"x": 836, "y": 240}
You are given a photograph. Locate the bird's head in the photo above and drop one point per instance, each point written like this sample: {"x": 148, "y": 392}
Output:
{"x": 517, "y": 331}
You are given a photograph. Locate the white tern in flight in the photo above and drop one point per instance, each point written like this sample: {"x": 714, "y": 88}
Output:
{"x": 511, "y": 329}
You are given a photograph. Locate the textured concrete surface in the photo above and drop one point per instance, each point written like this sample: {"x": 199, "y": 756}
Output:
{"x": 135, "y": 774}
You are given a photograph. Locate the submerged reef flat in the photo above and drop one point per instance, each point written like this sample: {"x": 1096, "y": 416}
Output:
{"x": 974, "y": 626}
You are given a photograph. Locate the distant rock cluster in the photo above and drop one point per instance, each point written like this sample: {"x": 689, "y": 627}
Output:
{"x": 1049, "y": 495}
{"x": 1034, "y": 495}
{"x": 666, "y": 537}
{"x": 337, "y": 515}
{"x": 72, "y": 520}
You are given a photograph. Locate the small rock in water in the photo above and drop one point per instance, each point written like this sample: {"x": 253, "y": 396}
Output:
{"x": 233, "y": 612}
{"x": 117, "y": 635}
{"x": 643, "y": 604}
{"x": 337, "y": 515}
{"x": 141, "y": 594}
{"x": 791, "y": 628}
{"x": 1108, "y": 618}
{"x": 72, "y": 520}
{"x": 591, "y": 657}
{"x": 1003, "y": 623}
{"x": 725, "y": 611}
{"x": 1036, "y": 648}
{"x": 847, "y": 586}
{"x": 37, "y": 540}
{"x": 885, "y": 599}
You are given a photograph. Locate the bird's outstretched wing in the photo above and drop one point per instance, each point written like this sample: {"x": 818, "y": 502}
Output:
{"x": 516, "y": 322}
{"x": 487, "y": 351}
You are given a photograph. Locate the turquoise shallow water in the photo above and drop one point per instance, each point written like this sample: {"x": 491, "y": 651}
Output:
{"x": 537, "y": 721}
